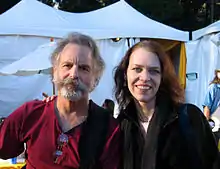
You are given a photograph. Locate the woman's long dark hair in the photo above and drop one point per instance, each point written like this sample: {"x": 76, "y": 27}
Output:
{"x": 215, "y": 80}
{"x": 170, "y": 86}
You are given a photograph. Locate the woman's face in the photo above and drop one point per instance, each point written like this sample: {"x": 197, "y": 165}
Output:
{"x": 218, "y": 75}
{"x": 143, "y": 75}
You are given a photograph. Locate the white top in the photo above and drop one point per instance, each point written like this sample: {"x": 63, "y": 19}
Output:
{"x": 146, "y": 124}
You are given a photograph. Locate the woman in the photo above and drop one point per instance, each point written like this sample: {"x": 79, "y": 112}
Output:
{"x": 212, "y": 99}
{"x": 149, "y": 97}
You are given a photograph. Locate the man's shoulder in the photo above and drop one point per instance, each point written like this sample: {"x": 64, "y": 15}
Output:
{"x": 37, "y": 104}
{"x": 31, "y": 107}
{"x": 34, "y": 102}
{"x": 29, "y": 111}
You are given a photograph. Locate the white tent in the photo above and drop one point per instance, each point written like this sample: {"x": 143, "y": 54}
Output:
{"x": 203, "y": 57}
{"x": 15, "y": 90}
{"x": 33, "y": 62}
{"x": 30, "y": 24}
{"x": 210, "y": 29}
{"x": 30, "y": 17}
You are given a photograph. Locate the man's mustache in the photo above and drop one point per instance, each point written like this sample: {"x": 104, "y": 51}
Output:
{"x": 75, "y": 82}
{"x": 67, "y": 81}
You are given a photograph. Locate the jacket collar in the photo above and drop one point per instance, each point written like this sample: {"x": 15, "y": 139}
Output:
{"x": 165, "y": 111}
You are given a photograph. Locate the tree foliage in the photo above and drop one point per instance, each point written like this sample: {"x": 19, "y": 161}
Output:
{"x": 78, "y": 5}
{"x": 182, "y": 14}
{"x": 48, "y": 2}
{"x": 165, "y": 11}
{"x": 6, "y": 5}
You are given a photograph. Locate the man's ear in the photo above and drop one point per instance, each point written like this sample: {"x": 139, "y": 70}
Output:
{"x": 54, "y": 69}
{"x": 94, "y": 85}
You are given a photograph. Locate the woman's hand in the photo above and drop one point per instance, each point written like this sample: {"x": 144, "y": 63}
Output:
{"x": 47, "y": 98}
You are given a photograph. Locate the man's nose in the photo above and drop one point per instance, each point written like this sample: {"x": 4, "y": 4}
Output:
{"x": 74, "y": 72}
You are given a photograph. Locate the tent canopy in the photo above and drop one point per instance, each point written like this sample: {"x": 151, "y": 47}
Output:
{"x": 39, "y": 21}
{"x": 203, "y": 57}
{"x": 33, "y": 62}
{"x": 215, "y": 27}
{"x": 116, "y": 20}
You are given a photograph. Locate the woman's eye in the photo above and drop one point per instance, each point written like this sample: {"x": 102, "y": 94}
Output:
{"x": 154, "y": 71}
{"x": 138, "y": 70}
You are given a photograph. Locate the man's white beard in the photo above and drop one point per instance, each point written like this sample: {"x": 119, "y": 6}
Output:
{"x": 71, "y": 95}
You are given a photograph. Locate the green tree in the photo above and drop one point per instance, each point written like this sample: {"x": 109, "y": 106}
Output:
{"x": 48, "y": 2}
{"x": 194, "y": 14}
{"x": 6, "y": 5}
{"x": 182, "y": 14}
{"x": 79, "y": 5}
{"x": 165, "y": 11}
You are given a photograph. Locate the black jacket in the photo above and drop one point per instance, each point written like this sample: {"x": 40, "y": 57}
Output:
{"x": 165, "y": 146}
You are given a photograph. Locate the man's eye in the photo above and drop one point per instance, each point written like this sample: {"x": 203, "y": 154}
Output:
{"x": 84, "y": 68}
{"x": 67, "y": 66}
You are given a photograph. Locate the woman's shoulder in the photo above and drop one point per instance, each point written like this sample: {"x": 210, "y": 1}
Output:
{"x": 193, "y": 107}
{"x": 193, "y": 113}
{"x": 201, "y": 132}
{"x": 192, "y": 110}
{"x": 197, "y": 118}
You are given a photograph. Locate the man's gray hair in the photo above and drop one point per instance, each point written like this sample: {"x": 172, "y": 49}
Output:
{"x": 82, "y": 40}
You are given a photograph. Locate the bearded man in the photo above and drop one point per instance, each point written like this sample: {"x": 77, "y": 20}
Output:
{"x": 70, "y": 131}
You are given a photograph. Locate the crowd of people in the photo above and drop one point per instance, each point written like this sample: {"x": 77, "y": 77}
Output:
{"x": 155, "y": 128}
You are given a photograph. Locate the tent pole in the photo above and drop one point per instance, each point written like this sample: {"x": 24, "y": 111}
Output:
{"x": 53, "y": 89}
{"x": 212, "y": 11}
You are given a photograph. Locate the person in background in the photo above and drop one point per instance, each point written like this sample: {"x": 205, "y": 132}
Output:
{"x": 158, "y": 130}
{"x": 109, "y": 105}
{"x": 69, "y": 131}
{"x": 2, "y": 119}
{"x": 212, "y": 98}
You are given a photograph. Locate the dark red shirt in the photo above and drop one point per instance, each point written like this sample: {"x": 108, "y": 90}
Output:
{"x": 36, "y": 124}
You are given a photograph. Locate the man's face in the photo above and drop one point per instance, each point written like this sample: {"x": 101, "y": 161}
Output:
{"x": 74, "y": 75}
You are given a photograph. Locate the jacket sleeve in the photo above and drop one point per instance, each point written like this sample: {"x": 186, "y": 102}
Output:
{"x": 11, "y": 141}
{"x": 111, "y": 156}
{"x": 207, "y": 146}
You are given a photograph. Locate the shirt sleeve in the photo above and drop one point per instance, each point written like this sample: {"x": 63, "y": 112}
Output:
{"x": 209, "y": 97}
{"x": 11, "y": 141}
